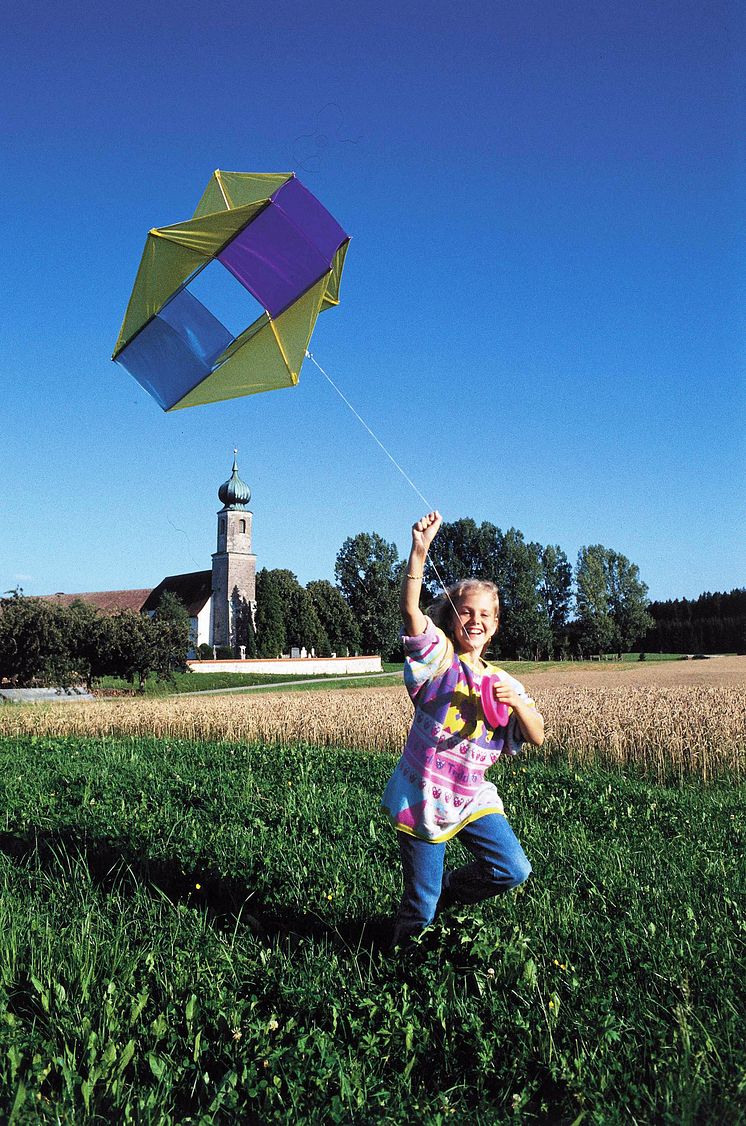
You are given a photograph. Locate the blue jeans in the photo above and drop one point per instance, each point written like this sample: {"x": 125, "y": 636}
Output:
{"x": 500, "y": 864}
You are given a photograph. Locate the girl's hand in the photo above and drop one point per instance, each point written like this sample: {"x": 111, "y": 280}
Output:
{"x": 425, "y": 531}
{"x": 504, "y": 694}
{"x": 529, "y": 719}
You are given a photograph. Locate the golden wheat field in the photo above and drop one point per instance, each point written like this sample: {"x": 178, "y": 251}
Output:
{"x": 686, "y": 719}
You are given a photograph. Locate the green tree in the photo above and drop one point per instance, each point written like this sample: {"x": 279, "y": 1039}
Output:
{"x": 303, "y": 628}
{"x": 595, "y": 625}
{"x": 132, "y": 642}
{"x": 270, "y": 622}
{"x": 367, "y": 571}
{"x": 335, "y": 616}
{"x": 628, "y": 602}
{"x": 611, "y": 601}
{"x": 525, "y": 631}
{"x": 170, "y": 638}
{"x": 555, "y": 596}
{"x": 463, "y": 550}
{"x": 90, "y": 642}
{"x": 34, "y": 642}
{"x": 243, "y": 617}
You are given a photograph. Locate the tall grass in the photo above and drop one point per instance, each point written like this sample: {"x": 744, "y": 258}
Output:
{"x": 661, "y": 731}
{"x": 193, "y": 933}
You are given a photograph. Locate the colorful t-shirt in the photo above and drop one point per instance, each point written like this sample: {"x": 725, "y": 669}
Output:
{"x": 438, "y": 785}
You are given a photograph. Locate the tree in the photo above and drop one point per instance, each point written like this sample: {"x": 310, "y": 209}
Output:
{"x": 628, "y": 601}
{"x": 90, "y": 642}
{"x": 524, "y": 631}
{"x": 243, "y": 617}
{"x": 335, "y": 616}
{"x": 170, "y": 639}
{"x": 611, "y": 601}
{"x": 595, "y": 626}
{"x": 463, "y": 550}
{"x": 367, "y": 571}
{"x": 555, "y": 595}
{"x": 711, "y": 623}
{"x": 34, "y": 642}
{"x": 270, "y": 622}
{"x": 132, "y": 640}
{"x": 303, "y": 625}
{"x": 300, "y": 620}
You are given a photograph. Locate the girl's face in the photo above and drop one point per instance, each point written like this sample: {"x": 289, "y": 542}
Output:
{"x": 476, "y": 622}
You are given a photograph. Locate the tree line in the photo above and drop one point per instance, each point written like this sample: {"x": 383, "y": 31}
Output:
{"x": 549, "y": 609}
{"x": 712, "y": 623}
{"x": 539, "y": 590}
{"x": 45, "y": 642}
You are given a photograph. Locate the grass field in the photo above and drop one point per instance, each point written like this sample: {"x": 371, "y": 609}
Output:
{"x": 196, "y": 900}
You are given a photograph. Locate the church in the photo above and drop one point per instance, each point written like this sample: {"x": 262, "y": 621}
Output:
{"x": 217, "y": 600}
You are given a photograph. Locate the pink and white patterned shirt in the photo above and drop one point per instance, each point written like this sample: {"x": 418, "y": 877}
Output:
{"x": 438, "y": 785}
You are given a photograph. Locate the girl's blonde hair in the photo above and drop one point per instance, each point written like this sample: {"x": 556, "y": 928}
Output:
{"x": 441, "y": 611}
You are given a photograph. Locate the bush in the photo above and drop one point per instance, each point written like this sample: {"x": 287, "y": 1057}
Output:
{"x": 204, "y": 652}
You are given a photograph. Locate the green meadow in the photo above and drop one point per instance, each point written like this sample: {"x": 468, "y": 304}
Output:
{"x": 197, "y": 933}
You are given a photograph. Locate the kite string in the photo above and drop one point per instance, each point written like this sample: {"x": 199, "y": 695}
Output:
{"x": 392, "y": 459}
{"x": 362, "y": 421}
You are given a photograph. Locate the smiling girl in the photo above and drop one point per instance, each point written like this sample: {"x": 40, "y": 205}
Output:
{"x": 438, "y": 788}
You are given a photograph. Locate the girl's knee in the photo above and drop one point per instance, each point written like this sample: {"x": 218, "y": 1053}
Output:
{"x": 511, "y": 874}
{"x": 520, "y": 870}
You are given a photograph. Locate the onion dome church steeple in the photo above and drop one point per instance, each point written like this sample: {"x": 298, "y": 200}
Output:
{"x": 233, "y": 564}
{"x": 234, "y": 493}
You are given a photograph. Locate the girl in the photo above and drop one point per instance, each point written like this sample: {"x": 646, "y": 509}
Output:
{"x": 438, "y": 788}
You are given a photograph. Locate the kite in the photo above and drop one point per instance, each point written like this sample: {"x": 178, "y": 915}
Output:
{"x": 280, "y": 243}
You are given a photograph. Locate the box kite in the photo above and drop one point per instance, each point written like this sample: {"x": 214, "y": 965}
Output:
{"x": 279, "y": 242}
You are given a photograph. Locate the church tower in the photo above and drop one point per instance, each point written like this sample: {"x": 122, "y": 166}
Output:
{"x": 233, "y": 565}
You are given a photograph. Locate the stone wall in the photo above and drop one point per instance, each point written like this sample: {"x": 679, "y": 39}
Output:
{"x": 302, "y": 666}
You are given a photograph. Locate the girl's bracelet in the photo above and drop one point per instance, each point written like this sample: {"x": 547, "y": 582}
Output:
{"x": 413, "y": 576}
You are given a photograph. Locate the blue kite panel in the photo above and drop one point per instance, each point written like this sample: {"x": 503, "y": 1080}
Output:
{"x": 201, "y": 330}
{"x": 176, "y": 350}
{"x": 162, "y": 363}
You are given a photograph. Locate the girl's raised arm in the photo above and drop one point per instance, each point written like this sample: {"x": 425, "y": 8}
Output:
{"x": 423, "y": 534}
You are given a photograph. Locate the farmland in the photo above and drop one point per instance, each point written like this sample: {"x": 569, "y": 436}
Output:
{"x": 665, "y": 720}
{"x": 196, "y": 893}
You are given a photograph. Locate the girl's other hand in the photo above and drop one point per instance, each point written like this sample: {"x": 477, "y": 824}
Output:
{"x": 505, "y": 694}
{"x": 425, "y": 530}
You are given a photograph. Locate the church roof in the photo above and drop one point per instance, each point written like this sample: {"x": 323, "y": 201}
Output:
{"x": 108, "y": 601}
{"x": 194, "y": 590}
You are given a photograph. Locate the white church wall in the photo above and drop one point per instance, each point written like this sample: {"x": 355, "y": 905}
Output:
{"x": 303, "y": 666}
{"x": 204, "y": 624}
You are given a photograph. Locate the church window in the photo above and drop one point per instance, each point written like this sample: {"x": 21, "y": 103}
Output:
{"x": 242, "y": 525}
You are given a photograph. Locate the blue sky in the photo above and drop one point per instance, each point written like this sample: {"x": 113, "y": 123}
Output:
{"x": 541, "y": 308}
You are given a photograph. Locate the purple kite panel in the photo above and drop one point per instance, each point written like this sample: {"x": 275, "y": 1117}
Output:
{"x": 285, "y": 249}
{"x": 273, "y": 260}
{"x": 310, "y": 217}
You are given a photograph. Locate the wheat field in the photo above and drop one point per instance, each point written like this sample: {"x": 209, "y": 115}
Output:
{"x": 664, "y": 721}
